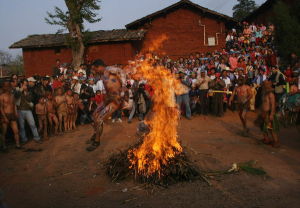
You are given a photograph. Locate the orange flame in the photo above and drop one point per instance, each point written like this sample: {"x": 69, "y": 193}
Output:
{"x": 156, "y": 44}
{"x": 161, "y": 143}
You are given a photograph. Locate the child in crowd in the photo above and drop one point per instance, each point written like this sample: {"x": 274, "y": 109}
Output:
{"x": 41, "y": 112}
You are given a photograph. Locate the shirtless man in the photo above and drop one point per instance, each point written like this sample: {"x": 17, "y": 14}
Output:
{"x": 70, "y": 108}
{"x": 113, "y": 84}
{"x": 243, "y": 93}
{"x": 9, "y": 113}
{"x": 41, "y": 112}
{"x": 270, "y": 125}
{"x": 61, "y": 109}
{"x": 51, "y": 114}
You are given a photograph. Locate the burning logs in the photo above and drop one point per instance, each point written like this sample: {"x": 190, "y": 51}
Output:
{"x": 177, "y": 169}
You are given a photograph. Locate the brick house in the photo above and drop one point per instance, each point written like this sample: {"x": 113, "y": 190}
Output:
{"x": 189, "y": 27}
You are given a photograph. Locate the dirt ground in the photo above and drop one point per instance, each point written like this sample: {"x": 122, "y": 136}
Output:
{"x": 64, "y": 175}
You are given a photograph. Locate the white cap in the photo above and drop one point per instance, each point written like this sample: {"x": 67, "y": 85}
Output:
{"x": 31, "y": 79}
{"x": 75, "y": 77}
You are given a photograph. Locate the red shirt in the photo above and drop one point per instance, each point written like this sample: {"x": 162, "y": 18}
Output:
{"x": 99, "y": 99}
{"x": 57, "y": 84}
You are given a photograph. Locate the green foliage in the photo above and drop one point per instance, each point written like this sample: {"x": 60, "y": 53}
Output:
{"x": 243, "y": 9}
{"x": 248, "y": 167}
{"x": 78, "y": 12}
{"x": 287, "y": 29}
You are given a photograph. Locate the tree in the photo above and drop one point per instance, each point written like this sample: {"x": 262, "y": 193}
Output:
{"x": 78, "y": 11}
{"x": 5, "y": 58}
{"x": 11, "y": 65}
{"x": 287, "y": 30}
{"x": 243, "y": 8}
{"x": 17, "y": 66}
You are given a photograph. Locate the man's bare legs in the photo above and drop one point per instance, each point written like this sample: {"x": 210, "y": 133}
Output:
{"x": 43, "y": 127}
{"x": 276, "y": 142}
{"x": 99, "y": 118}
{"x": 74, "y": 120}
{"x": 53, "y": 123}
{"x": 4, "y": 130}
{"x": 14, "y": 127}
{"x": 243, "y": 118}
{"x": 62, "y": 122}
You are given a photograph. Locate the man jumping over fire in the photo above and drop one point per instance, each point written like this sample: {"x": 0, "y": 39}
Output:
{"x": 112, "y": 81}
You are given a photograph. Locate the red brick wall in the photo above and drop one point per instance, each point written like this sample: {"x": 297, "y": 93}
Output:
{"x": 185, "y": 35}
{"x": 42, "y": 61}
{"x": 112, "y": 53}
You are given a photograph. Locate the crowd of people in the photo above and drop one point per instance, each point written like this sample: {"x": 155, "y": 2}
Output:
{"x": 214, "y": 81}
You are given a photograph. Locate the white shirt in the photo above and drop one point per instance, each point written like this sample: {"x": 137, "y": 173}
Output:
{"x": 227, "y": 81}
{"x": 76, "y": 87}
{"x": 98, "y": 86}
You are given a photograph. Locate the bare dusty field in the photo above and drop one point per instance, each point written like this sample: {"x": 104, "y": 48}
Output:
{"x": 64, "y": 175}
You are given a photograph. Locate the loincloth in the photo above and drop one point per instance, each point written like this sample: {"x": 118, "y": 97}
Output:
{"x": 42, "y": 117}
{"x": 51, "y": 115}
{"x": 244, "y": 106}
{"x": 11, "y": 117}
{"x": 62, "y": 109}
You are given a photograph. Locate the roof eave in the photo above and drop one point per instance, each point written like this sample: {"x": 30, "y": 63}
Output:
{"x": 141, "y": 21}
{"x": 65, "y": 45}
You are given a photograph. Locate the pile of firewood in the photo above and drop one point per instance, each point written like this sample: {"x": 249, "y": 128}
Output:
{"x": 178, "y": 169}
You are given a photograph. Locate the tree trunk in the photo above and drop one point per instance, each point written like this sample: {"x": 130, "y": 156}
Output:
{"x": 76, "y": 36}
{"x": 78, "y": 48}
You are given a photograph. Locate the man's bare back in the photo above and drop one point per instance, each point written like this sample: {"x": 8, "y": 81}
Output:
{"x": 244, "y": 94}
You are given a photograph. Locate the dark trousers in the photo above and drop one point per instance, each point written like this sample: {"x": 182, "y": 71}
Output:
{"x": 258, "y": 98}
{"x": 217, "y": 104}
{"x": 203, "y": 102}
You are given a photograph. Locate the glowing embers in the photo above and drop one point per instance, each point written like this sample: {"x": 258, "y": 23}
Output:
{"x": 176, "y": 169}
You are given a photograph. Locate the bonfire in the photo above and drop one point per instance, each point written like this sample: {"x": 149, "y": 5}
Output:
{"x": 158, "y": 158}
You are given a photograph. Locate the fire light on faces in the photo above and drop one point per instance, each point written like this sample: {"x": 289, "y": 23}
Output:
{"x": 161, "y": 144}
